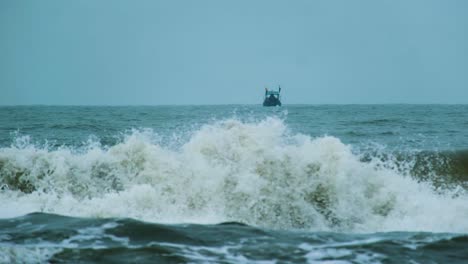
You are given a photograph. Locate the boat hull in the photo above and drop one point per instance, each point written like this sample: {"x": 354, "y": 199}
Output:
{"x": 271, "y": 103}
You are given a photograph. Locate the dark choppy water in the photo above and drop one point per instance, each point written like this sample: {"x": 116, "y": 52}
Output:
{"x": 44, "y": 237}
{"x": 230, "y": 184}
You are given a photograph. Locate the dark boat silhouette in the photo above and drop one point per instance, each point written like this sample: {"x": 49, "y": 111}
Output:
{"x": 272, "y": 98}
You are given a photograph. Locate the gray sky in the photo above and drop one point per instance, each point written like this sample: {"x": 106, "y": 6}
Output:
{"x": 221, "y": 52}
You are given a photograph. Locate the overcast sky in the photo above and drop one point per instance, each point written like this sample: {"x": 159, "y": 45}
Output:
{"x": 110, "y": 52}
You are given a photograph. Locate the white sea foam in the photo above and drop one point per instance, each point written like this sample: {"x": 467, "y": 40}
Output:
{"x": 26, "y": 254}
{"x": 256, "y": 173}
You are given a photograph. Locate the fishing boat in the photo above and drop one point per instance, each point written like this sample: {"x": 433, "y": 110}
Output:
{"x": 272, "y": 98}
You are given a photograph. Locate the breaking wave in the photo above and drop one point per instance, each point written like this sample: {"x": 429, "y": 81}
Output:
{"x": 258, "y": 173}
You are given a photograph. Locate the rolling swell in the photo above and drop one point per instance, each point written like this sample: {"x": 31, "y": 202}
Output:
{"x": 443, "y": 169}
{"x": 451, "y": 164}
{"x": 257, "y": 173}
{"x": 52, "y": 238}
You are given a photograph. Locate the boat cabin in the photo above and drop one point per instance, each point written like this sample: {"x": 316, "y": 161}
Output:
{"x": 272, "y": 98}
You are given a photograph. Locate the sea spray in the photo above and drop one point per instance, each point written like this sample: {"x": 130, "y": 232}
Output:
{"x": 258, "y": 173}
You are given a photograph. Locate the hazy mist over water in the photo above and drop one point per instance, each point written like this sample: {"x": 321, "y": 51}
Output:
{"x": 212, "y": 52}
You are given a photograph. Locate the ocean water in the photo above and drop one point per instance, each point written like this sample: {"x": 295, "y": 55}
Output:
{"x": 234, "y": 184}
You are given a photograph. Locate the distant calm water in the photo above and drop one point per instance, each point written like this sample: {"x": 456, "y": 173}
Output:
{"x": 234, "y": 184}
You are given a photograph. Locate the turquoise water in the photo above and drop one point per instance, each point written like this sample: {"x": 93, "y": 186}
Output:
{"x": 230, "y": 184}
{"x": 402, "y": 126}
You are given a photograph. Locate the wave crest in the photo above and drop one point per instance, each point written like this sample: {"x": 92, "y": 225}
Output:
{"x": 257, "y": 173}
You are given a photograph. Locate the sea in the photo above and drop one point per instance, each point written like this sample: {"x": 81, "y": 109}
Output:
{"x": 234, "y": 184}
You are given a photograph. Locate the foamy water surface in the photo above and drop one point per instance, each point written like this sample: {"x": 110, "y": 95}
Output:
{"x": 289, "y": 169}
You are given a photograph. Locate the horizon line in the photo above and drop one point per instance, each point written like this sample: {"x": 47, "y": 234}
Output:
{"x": 229, "y": 104}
